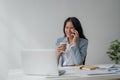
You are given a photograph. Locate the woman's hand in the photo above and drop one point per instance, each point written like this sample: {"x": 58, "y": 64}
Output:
{"x": 75, "y": 37}
{"x": 59, "y": 51}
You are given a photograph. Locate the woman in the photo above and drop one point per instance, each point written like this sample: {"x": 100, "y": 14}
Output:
{"x": 77, "y": 43}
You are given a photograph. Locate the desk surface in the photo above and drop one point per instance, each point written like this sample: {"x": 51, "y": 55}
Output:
{"x": 71, "y": 74}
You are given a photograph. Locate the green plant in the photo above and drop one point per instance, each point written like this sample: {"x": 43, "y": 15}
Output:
{"x": 114, "y": 51}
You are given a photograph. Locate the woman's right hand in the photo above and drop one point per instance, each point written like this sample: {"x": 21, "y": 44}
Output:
{"x": 59, "y": 51}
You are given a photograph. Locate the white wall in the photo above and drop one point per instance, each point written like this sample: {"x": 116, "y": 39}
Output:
{"x": 3, "y": 47}
{"x": 38, "y": 23}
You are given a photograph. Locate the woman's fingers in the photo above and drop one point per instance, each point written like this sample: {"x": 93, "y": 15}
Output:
{"x": 76, "y": 33}
{"x": 59, "y": 49}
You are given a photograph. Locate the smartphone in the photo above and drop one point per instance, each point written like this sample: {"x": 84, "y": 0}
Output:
{"x": 73, "y": 34}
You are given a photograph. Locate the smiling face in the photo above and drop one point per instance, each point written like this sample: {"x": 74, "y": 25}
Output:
{"x": 69, "y": 29}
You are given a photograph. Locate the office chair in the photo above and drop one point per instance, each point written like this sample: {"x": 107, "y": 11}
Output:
{"x": 84, "y": 60}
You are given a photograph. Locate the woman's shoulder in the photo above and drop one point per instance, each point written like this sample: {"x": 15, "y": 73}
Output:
{"x": 82, "y": 40}
{"x": 61, "y": 38}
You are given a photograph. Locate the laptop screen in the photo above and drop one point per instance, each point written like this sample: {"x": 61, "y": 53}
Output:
{"x": 39, "y": 62}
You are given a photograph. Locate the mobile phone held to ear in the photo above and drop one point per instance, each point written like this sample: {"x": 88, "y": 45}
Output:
{"x": 73, "y": 34}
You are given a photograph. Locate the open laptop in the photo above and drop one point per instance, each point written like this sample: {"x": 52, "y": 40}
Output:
{"x": 41, "y": 62}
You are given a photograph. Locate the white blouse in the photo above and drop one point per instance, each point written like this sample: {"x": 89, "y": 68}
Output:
{"x": 68, "y": 56}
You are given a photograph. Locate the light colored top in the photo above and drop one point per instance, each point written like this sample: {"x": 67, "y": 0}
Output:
{"x": 77, "y": 52}
{"x": 68, "y": 56}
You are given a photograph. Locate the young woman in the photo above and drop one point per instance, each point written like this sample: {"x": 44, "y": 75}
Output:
{"x": 77, "y": 43}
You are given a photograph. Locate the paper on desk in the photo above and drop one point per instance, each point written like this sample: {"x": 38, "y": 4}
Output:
{"x": 106, "y": 65}
{"x": 100, "y": 72}
{"x": 85, "y": 73}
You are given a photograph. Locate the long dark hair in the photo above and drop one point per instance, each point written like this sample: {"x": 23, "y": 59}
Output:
{"x": 77, "y": 25}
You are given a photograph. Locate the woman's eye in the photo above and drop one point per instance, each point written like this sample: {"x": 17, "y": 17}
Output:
{"x": 73, "y": 29}
{"x": 66, "y": 27}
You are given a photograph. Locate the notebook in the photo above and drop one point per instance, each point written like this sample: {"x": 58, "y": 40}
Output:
{"x": 42, "y": 62}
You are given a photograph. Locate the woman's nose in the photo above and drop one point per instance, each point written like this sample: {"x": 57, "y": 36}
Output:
{"x": 69, "y": 30}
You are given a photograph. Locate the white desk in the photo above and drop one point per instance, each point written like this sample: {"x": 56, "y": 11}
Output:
{"x": 71, "y": 74}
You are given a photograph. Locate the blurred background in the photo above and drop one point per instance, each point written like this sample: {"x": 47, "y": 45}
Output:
{"x": 34, "y": 24}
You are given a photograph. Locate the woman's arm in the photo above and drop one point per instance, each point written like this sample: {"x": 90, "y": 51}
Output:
{"x": 80, "y": 51}
{"x": 58, "y": 53}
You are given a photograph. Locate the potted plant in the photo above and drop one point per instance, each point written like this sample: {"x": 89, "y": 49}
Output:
{"x": 114, "y": 51}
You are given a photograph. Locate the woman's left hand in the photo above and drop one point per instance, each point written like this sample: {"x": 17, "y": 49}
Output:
{"x": 75, "y": 37}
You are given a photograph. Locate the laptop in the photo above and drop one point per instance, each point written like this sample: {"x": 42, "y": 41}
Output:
{"x": 42, "y": 62}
